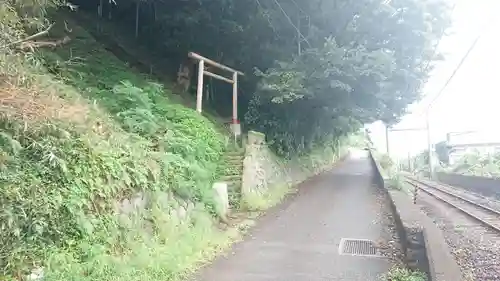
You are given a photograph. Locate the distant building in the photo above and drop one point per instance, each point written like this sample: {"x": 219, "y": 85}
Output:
{"x": 462, "y": 143}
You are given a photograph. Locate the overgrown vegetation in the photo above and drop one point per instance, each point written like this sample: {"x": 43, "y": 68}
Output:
{"x": 387, "y": 165}
{"x": 476, "y": 164}
{"x": 418, "y": 164}
{"x": 66, "y": 160}
{"x": 260, "y": 202}
{"x": 394, "y": 179}
{"x": 81, "y": 130}
{"x": 403, "y": 274}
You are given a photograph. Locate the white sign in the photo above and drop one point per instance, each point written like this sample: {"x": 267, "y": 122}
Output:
{"x": 236, "y": 128}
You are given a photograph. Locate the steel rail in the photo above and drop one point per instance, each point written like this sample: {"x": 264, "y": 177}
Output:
{"x": 481, "y": 212}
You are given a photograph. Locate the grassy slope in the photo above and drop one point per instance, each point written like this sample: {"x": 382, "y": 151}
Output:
{"x": 139, "y": 105}
{"x": 114, "y": 37}
{"x": 61, "y": 174}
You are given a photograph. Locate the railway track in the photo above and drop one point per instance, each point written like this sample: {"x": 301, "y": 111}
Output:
{"x": 483, "y": 214}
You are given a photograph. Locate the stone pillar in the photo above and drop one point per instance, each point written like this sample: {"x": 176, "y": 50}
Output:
{"x": 250, "y": 181}
{"x": 220, "y": 189}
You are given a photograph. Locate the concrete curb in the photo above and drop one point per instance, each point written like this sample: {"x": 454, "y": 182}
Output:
{"x": 442, "y": 265}
{"x": 423, "y": 243}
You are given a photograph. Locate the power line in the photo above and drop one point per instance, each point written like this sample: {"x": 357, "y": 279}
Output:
{"x": 300, "y": 9}
{"x": 456, "y": 69}
{"x": 464, "y": 58}
{"x": 301, "y": 14}
{"x": 291, "y": 22}
{"x": 288, "y": 18}
{"x": 429, "y": 140}
{"x": 269, "y": 20}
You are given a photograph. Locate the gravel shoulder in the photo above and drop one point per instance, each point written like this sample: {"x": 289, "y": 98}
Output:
{"x": 475, "y": 247}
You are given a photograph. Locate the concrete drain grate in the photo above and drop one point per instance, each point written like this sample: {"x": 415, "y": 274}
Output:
{"x": 358, "y": 247}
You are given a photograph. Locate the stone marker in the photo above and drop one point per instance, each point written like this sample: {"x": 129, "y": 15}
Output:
{"x": 220, "y": 189}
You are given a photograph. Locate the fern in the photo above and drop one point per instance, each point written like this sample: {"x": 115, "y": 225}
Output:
{"x": 9, "y": 144}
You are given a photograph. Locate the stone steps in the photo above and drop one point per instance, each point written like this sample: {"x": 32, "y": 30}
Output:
{"x": 230, "y": 168}
{"x": 234, "y": 164}
{"x": 234, "y": 159}
{"x": 238, "y": 157}
{"x": 234, "y": 153}
{"x": 231, "y": 177}
{"x": 235, "y": 184}
{"x": 232, "y": 174}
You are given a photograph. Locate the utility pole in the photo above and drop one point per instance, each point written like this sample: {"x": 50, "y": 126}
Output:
{"x": 429, "y": 146}
{"x": 387, "y": 138}
{"x": 409, "y": 163}
{"x": 429, "y": 106}
{"x": 300, "y": 35}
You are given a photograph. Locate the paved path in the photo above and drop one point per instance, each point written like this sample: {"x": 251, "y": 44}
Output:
{"x": 300, "y": 241}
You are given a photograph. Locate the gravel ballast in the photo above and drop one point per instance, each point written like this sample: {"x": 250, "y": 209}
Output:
{"x": 475, "y": 247}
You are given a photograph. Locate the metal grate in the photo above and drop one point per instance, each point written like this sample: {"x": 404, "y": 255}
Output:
{"x": 357, "y": 247}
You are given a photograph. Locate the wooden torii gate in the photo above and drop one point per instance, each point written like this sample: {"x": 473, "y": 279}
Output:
{"x": 235, "y": 124}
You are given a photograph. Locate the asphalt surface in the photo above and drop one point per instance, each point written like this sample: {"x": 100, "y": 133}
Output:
{"x": 300, "y": 240}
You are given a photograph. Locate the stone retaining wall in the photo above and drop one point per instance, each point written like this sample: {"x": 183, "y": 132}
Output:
{"x": 262, "y": 169}
{"x": 259, "y": 169}
{"x": 178, "y": 209}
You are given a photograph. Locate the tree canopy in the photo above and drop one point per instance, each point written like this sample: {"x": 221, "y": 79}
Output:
{"x": 443, "y": 152}
{"x": 358, "y": 61}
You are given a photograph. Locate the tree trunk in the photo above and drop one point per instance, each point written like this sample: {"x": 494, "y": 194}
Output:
{"x": 110, "y": 7}
{"x": 154, "y": 12}
{"x": 99, "y": 15}
{"x": 137, "y": 20}
{"x": 99, "y": 9}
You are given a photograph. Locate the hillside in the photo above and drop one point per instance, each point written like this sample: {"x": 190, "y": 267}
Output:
{"x": 76, "y": 141}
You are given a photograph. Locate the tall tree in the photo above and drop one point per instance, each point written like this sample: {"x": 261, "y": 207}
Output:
{"x": 360, "y": 60}
{"x": 370, "y": 68}
{"x": 443, "y": 152}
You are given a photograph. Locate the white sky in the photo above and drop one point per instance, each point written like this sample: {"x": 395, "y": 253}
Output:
{"x": 471, "y": 101}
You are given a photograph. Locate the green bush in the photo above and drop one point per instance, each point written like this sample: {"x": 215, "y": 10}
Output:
{"x": 395, "y": 181}
{"x": 167, "y": 254}
{"x": 385, "y": 162}
{"x": 59, "y": 179}
{"x": 256, "y": 201}
{"x": 403, "y": 274}
{"x": 58, "y": 184}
